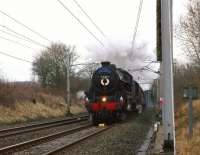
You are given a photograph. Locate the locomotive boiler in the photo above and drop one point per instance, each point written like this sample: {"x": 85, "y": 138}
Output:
{"x": 112, "y": 94}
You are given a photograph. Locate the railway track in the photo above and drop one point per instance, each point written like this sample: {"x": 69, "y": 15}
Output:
{"x": 31, "y": 143}
{"x": 57, "y": 150}
{"x": 40, "y": 126}
{"x": 20, "y": 147}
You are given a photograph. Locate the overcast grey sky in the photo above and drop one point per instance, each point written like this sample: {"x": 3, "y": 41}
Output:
{"x": 116, "y": 19}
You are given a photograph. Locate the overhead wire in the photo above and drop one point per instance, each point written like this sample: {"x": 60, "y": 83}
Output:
{"x": 14, "y": 57}
{"x": 89, "y": 63}
{"x": 22, "y": 59}
{"x": 22, "y": 24}
{"x": 16, "y": 42}
{"x": 92, "y": 21}
{"x": 136, "y": 25}
{"x": 25, "y": 38}
{"x": 8, "y": 33}
{"x": 22, "y": 36}
{"x": 80, "y": 22}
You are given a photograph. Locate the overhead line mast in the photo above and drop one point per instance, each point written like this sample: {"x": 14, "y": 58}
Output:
{"x": 167, "y": 61}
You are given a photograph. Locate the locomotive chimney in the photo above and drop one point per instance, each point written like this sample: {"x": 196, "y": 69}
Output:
{"x": 105, "y": 63}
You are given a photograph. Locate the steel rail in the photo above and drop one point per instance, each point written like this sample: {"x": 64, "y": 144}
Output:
{"x": 75, "y": 142}
{"x": 27, "y": 144}
{"x": 40, "y": 126}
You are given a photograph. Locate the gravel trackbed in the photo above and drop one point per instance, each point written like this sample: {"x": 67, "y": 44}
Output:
{"x": 122, "y": 139}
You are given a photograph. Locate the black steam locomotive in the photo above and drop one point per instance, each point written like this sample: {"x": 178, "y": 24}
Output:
{"x": 113, "y": 93}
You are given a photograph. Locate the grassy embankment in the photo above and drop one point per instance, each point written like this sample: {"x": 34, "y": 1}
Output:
{"x": 20, "y": 103}
{"x": 184, "y": 144}
{"x": 25, "y": 111}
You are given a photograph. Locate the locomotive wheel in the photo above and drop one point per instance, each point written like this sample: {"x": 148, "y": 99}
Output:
{"x": 109, "y": 121}
{"x": 93, "y": 119}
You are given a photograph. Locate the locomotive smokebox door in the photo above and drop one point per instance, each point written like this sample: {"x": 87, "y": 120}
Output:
{"x": 105, "y": 80}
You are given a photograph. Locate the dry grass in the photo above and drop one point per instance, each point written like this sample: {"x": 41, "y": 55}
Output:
{"x": 77, "y": 108}
{"x": 184, "y": 144}
{"x": 25, "y": 101}
{"x": 26, "y": 111}
{"x": 18, "y": 105}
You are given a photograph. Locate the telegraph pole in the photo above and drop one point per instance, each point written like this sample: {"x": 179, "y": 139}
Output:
{"x": 190, "y": 115}
{"x": 167, "y": 58}
{"x": 68, "y": 84}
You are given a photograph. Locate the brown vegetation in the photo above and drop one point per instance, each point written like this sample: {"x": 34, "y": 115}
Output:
{"x": 184, "y": 144}
{"x": 23, "y": 101}
{"x": 186, "y": 75}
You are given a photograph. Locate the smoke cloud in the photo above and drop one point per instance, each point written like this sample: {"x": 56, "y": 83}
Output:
{"x": 124, "y": 57}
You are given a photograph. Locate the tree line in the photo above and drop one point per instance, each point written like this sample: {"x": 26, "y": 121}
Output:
{"x": 50, "y": 68}
{"x": 187, "y": 32}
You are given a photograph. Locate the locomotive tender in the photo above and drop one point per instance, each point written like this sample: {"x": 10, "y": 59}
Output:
{"x": 113, "y": 93}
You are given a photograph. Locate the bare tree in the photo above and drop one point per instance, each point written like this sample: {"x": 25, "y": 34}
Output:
{"x": 188, "y": 31}
{"x": 182, "y": 77}
{"x": 88, "y": 69}
{"x": 51, "y": 65}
